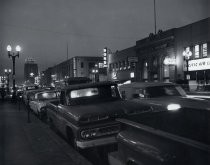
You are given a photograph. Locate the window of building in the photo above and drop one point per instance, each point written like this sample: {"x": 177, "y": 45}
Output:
{"x": 197, "y": 52}
{"x": 166, "y": 71}
{"x": 120, "y": 65}
{"x": 123, "y": 65}
{"x": 116, "y": 66}
{"x": 145, "y": 70}
{"x": 82, "y": 65}
{"x": 204, "y": 50}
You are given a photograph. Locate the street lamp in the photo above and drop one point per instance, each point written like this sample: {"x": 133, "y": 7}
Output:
{"x": 7, "y": 73}
{"x": 32, "y": 77}
{"x": 187, "y": 54}
{"x": 13, "y": 55}
{"x": 95, "y": 72}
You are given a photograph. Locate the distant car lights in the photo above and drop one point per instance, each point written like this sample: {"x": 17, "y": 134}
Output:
{"x": 173, "y": 107}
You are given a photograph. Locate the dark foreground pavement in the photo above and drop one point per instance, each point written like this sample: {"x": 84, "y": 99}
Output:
{"x": 23, "y": 143}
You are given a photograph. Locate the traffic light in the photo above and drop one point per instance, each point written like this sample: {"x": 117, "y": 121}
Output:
{"x": 105, "y": 57}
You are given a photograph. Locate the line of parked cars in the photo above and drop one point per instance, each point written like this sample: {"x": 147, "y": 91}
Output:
{"x": 152, "y": 123}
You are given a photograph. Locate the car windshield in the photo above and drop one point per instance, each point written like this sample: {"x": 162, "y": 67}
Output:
{"x": 167, "y": 90}
{"x": 87, "y": 95}
{"x": 46, "y": 95}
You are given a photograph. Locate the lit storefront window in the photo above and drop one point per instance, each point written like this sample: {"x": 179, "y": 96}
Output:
{"x": 166, "y": 73}
{"x": 145, "y": 71}
{"x": 197, "y": 52}
{"x": 204, "y": 50}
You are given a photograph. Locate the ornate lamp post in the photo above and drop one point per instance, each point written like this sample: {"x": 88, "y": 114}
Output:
{"x": 32, "y": 77}
{"x": 13, "y": 55}
{"x": 187, "y": 54}
{"x": 95, "y": 72}
{"x": 7, "y": 73}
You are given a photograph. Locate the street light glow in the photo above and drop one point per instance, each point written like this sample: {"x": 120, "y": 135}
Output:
{"x": 31, "y": 74}
{"x": 9, "y": 48}
{"x": 5, "y": 70}
{"x": 18, "y": 48}
{"x": 187, "y": 54}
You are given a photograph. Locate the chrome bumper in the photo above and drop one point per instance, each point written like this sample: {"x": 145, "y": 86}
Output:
{"x": 96, "y": 142}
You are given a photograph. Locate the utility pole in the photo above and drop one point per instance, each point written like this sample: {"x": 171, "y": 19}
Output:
{"x": 67, "y": 50}
{"x": 155, "y": 17}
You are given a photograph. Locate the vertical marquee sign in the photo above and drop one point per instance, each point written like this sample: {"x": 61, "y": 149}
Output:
{"x": 105, "y": 57}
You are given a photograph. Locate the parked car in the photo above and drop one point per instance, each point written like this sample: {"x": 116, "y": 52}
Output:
{"x": 86, "y": 113}
{"x": 162, "y": 96}
{"x": 27, "y": 90}
{"x": 41, "y": 98}
{"x": 180, "y": 137}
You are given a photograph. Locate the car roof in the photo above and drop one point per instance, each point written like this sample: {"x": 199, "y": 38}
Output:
{"x": 145, "y": 84}
{"x": 89, "y": 85}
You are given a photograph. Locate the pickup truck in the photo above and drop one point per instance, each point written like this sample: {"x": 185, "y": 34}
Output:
{"x": 86, "y": 113}
{"x": 179, "y": 137}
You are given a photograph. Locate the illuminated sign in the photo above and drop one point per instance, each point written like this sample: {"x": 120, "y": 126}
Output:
{"x": 114, "y": 75}
{"x": 169, "y": 61}
{"x": 31, "y": 87}
{"x": 105, "y": 56}
{"x": 199, "y": 64}
{"x": 132, "y": 75}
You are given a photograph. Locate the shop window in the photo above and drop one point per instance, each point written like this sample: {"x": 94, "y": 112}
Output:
{"x": 123, "y": 65}
{"x": 129, "y": 65}
{"x": 116, "y": 66}
{"x": 145, "y": 70}
{"x": 204, "y": 50}
{"x": 120, "y": 65}
{"x": 155, "y": 63}
{"x": 166, "y": 71}
{"x": 197, "y": 52}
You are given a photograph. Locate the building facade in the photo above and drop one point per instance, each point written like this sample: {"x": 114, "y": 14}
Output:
{"x": 122, "y": 65}
{"x": 159, "y": 57}
{"x": 30, "y": 70}
{"x": 78, "y": 66}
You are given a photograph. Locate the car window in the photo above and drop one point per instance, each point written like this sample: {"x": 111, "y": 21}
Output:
{"x": 46, "y": 95}
{"x": 87, "y": 92}
{"x": 94, "y": 94}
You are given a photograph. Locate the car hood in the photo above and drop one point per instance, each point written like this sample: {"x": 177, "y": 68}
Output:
{"x": 44, "y": 103}
{"x": 105, "y": 110}
{"x": 185, "y": 102}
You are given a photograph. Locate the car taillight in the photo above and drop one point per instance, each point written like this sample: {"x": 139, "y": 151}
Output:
{"x": 98, "y": 132}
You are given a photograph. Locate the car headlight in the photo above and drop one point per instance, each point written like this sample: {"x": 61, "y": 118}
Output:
{"x": 173, "y": 107}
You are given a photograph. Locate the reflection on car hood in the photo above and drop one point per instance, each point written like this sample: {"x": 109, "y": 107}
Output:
{"x": 183, "y": 101}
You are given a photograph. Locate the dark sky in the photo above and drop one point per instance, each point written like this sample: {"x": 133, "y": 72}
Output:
{"x": 44, "y": 27}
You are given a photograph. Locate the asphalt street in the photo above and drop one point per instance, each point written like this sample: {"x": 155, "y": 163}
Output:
{"x": 23, "y": 143}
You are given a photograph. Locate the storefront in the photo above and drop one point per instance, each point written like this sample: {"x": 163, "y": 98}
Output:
{"x": 199, "y": 71}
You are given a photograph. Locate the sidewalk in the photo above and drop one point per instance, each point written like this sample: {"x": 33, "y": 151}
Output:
{"x": 23, "y": 143}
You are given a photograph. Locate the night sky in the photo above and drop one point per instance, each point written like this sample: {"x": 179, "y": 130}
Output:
{"x": 44, "y": 27}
